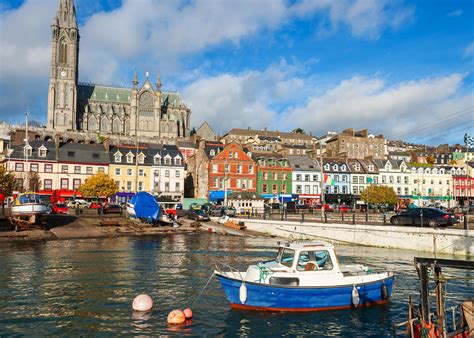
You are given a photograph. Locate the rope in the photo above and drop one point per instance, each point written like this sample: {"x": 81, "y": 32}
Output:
{"x": 205, "y": 286}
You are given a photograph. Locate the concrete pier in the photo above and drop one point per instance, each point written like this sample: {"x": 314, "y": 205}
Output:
{"x": 430, "y": 240}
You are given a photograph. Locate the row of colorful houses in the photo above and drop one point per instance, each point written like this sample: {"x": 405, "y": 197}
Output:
{"x": 233, "y": 168}
{"x": 159, "y": 169}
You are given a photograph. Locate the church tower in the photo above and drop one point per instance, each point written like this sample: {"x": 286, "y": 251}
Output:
{"x": 62, "y": 93}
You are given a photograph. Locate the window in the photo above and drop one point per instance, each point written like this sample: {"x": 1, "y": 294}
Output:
{"x": 399, "y": 191}
{"x": 250, "y": 184}
{"x": 336, "y": 189}
{"x": 71, "y": 154}
{"x": 167, "y": 174}
{"x": 140, "y": 186}
{"x": 215, "y": 168}
{"x": 177, "y": 161}
{"x": 48, "y": 168}
{"x": 216, "y": 182}
{"x": 129, "y": 186}
{"x": 129, "y": 172}
{"x": 315, "y": 178}
{"x": 406, "y": 191}
{"x": 354, "y": 179}
{"x": 76, "y": 183}
{"x": 64, "y": 183}
{"x": 344, "y": 189}
{"x": 117, "y": 171}
{"x": 118, "y": 158}
{"x": 141, "y": 172}
{"x": 117, "y": 183}
{"x": 307, "y": 189}
{"x": 141, "y": 158}
{"x": 157, "y": 160}
{"x": 95, "y": 155}
{"x": 399, "y": 179}
{"x": 100, "y": 169}
{"x": 376, "y": 180}
{"x": 274, "y": 188}
{"x": 48, "y": 184}
{"x": 336, "y": 178}
{"x": 264, "y": 188}
{"x": 283, "y": 188}
{"x": 250, "y": 169}
{"x": 354, "y": 190}
{"x": 177, "y": 174}
{"x": 238, "y": 183}
{"x": 361, "y": 180}
{"x": 265, "y": 175}
{"x": 344, "y": 178}
{"x": 227, "y": 168}
{"x": 314, "y": 260}
{"x": 177, "y": 187}
{"x": 27, "y": 151}
{"x": 77, "y": 169}
{"x": 42, "y": 152}
{"x": 231, "y": 154}
{"x": 383, "y": 179}
{"x": 406, "y": 179}
{"x": 390, "y": 179}
{"x": 130, "y": 158}
{"x": 64, "y": 169}
{"x": 168, "y": 161}
{"x": 307, "y": 177}
{"x": 167, "y": 186}
{"x": 89, "y": 170}
{"x": 212, "y": 152}
{"x": 298, "y": 177}
{"x": 34, "y": 167}
{"x": 239, "y": 169}
{"x": 275, "y": 176}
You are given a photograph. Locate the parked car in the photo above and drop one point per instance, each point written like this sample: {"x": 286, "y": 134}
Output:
{"x": 195, "y": 206}
{"x": 216, "y": 211}
{"x": 112, "y": 209}
{"x": 230, "y": 211}
{"x": 95, "y": 205}
{"x": 59, "y": 208}
{"x": 431, "y": 216}
{"x": 78, "y": 203}
{"x": 345, "y": 208}
{"x": 198, "y": 215}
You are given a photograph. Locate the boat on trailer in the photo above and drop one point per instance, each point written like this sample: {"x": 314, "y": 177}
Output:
{"x": 304, "y": 276}
{"x": 29, "y": 204}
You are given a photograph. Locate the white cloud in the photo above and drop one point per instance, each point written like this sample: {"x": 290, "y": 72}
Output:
{"x": 363, "y": 102}
{"x": 469, "y": 51}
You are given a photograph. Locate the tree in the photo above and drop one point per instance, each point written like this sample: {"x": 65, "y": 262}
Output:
{"x": 298, "y": 131}
{"x": 430, "y": 160}
{"x": 453, "y": 162}
{"x": 99, "y": 185}
{"x": 7, "y": 182}
{"x": 379, "y": 195}
{"x": 34, "y": 183}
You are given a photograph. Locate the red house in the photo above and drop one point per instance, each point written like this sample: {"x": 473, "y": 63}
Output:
{"x": 233, "y": 165}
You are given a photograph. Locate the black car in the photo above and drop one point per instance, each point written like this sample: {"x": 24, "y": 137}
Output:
{"x": 431, "y": 216}
{"x": 198, "y": 215}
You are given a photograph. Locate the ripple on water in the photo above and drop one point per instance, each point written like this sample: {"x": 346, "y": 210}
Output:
{"x": 85, "y": 287}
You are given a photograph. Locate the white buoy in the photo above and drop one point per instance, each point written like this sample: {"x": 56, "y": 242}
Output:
{"x": 243, "y": 293}
{"x": 142, "y": 302}
{"x": 355, "y": 296}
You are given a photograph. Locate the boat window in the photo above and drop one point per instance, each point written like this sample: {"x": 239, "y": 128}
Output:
{"x": 323, "y": 259}
{"x": 306, "y": 261}
{"x": 286, "y": 257}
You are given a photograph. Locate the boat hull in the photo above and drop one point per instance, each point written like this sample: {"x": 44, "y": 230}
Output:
{"x": 264, "y": 297}
{"x": 29, "y": 209}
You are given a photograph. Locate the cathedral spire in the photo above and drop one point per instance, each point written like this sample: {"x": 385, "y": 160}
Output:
{"x": 158, "y": 82}
{"x": 67, "y": 14}
{"x": 135, "y": 79}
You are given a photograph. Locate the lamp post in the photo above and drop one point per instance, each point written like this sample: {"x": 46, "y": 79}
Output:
{"x": 321, "y": 165}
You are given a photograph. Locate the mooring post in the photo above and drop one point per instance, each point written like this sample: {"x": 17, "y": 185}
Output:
{"x": 425, "y": 303}
{"x": 439, "y": 299}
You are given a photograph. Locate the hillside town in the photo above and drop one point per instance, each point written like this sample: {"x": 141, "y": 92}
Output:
{"x": 273, "y": 166}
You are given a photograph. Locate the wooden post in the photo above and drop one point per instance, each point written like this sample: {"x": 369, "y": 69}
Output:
{"x": 439, "y": 299}
{"x": 425, "y": 302}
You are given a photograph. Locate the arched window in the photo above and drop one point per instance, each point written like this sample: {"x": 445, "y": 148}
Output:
{"x": 63, "y": 51}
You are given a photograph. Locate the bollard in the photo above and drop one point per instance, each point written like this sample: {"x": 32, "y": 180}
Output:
{"x": 325, "y": 218}
{"x": 302, "y": 218}
{"x": 264, "y": 215}
{"x": 285, "y": 212}
{"x": 353, "y": 219}
{"x": 366, "y": 217}
{"x": 466, "y": 227}
{"x": 384, "y": 219}
{"x": 282, "y": 216}
{"x": 342, "y": 216}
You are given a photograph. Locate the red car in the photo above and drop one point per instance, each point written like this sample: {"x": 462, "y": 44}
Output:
{"x": 344, "y": 208}
{"x": 59, "y": 208}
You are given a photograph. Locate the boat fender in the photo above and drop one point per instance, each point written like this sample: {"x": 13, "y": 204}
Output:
{"x": 243, "y": 293}
{"x": 355, "y": 296}
{"x": 384, "y": 291}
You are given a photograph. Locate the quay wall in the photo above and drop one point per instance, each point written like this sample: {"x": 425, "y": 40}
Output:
{"x": 430, "y": 240}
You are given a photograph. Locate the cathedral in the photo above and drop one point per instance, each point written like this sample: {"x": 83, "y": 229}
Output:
{"x": 143, "y": 110}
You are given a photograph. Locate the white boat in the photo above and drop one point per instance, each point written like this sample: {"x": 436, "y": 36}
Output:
{"x": 29, "y": 204}
{"x": 304, "y": 276}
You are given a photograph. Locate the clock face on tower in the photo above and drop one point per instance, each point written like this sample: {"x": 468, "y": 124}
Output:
{"x": 63, "y": 73}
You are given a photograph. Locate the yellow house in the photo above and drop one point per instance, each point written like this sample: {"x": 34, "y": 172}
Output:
{"x": 130, "y": 168}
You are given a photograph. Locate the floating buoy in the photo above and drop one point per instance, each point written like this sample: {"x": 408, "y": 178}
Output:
{"x": 355, "y": 296}
{"x": 142, "y": 302}
{"x": 188, "y": 313}
{"x": 176, "y": 317}
{"x": 243, "y": 293}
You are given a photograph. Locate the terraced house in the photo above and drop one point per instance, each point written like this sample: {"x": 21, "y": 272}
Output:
{"x": 274, "y": 177}
{"x": 337, "y": 181}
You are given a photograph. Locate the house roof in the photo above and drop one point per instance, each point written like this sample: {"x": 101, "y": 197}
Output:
{"x": 83, "y": 153}
{"x": 299, "y": 162}
{"x": 267, "y": 133}
{"x": 18, "y": 152}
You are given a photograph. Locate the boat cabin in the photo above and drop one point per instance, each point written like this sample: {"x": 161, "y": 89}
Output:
{"x": 306, "y": 256}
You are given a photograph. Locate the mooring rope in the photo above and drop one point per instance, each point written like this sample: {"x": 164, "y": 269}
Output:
{"x": 205, "y": 286}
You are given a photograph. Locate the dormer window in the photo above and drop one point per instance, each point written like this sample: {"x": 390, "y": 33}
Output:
{"x": 141, "y": 158}
{"x": 177, "y": 160}
{"x": 326, "y": 167}
{"x": 118, "y": 157}
{"x": 27, "y": 150}
{"x": 212, "y": 152}
{"x": 157, "y": 159}
{"x": 343, "y": 167}
{"x": 42, "y": 151}
{"x": 335, "y": 167}
{"x": 167, "y": 160}
{"x": 130, "y": 158}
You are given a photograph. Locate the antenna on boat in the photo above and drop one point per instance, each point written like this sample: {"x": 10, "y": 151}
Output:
{"x": 27, "y": 146}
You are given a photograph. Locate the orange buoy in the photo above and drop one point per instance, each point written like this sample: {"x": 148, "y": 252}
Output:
{"x": 176, "y": 317}
{"x": 142, "y": 302}
{"x": 188, "y": 313}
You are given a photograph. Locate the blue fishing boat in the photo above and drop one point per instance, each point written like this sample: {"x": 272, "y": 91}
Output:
{"x": 304, "y": 276}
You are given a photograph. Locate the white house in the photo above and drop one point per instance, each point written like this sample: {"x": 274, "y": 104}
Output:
{"x": 306, "y": 178}
{"x": 167, "y": 172}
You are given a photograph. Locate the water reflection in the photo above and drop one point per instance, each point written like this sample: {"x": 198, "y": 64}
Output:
{"x": 85, "y": 287}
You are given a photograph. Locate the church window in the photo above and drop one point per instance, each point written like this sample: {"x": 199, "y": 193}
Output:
{"x": 104, "y": 125}
{"x": 146, "y": 103}
{"x": 63, "y": 51}
{"x": 65, "y": 95}
{"x": 116, "y": 126}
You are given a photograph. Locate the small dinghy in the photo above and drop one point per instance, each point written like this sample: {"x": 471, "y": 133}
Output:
{"x": 304, "y": 276}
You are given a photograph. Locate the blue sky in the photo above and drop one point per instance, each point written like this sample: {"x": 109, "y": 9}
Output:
{"x": 395, "y": 67}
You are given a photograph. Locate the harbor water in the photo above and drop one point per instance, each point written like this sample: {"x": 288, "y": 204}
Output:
{"x": 86, "y": 287}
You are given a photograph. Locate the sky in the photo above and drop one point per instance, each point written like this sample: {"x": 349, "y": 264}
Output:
{"x": 403, "y": 69}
